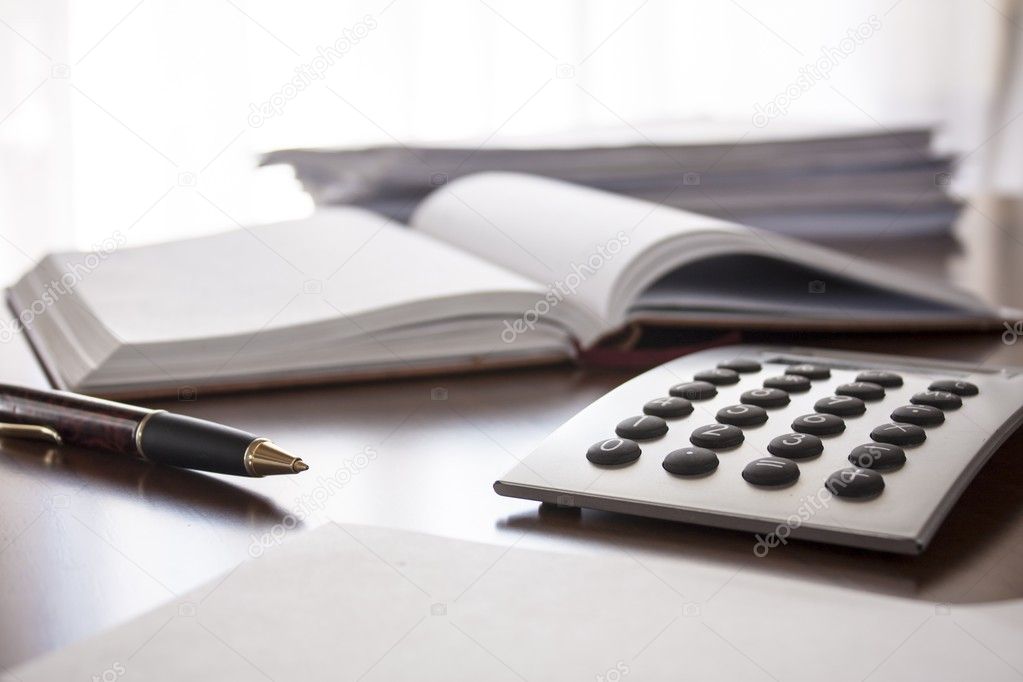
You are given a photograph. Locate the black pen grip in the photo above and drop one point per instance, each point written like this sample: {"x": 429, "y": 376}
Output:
{"x": 192, "y": 443}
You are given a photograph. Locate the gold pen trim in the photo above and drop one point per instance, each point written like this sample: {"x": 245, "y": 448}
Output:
{"x": 138, "y": 434}
{"x": 250, "y": 453}
{"x": 263, "y": 458}
{"x": 30, "y": 432}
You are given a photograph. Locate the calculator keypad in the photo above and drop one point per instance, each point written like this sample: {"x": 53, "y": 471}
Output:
{"x": 796, "y": 446}
{"x": 692, "y": 461}
{"x": 765, "y": 397}
{"x": 771, "y": 472}
{"x": 855, "y": 483}
{"x": 670, "y": 407}
{"x": 877, "y": 456}
{"x": 899, "y": 434}
{"x": 715, "y": 436}
{"x": 719, "y": 376}
{"x": 613, "y": 451}
{"x": 811, "y": 372}
{"x": 885, "y": 379}
{"x": 819, "y": 424}
{"x": 864, "y": 390}
{"x": 642, "y": 427}
{"x": 963, "y": 388}
{"x": 694, "y": 390}
{"x": 921, "y": 415}
{"x": 862, "y": 480}
{"x": 793, "y": 383}
{"x": 840, "y": 406}
{"x": 742, "y": 415}
{"x": 741, "y": 365}
{"x": 943, "y": 400}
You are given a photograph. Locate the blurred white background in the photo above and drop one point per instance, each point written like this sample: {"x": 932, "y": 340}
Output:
{"x": 137, "y": 116}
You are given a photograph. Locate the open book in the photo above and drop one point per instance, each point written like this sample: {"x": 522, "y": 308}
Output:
{"x": 494, "y": 269}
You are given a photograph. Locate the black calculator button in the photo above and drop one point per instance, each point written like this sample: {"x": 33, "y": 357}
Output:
{"x": 819, "y": 424}
{"x": 718, "y": 376}
{"x": 899, "y": 434}
{"x": 809, "y": 371}
{"x": 954, "y": 386}
{"x": 864, "y": 390}
{"x": 793, "y": 383}
{"x": 943, "y": 400}
{"x": 878, "y": 456}
{"x": 642, "y": 427}
{"x": 694, "y": 390}
{"x": 765, "y": 397}
{"x": 716, "y": 436}
{"x": 921, "y": 415}
{"x": 840, "y": 406}
{"x": 796, "y": 446}
{"x": 876, "y": 376}
{"x": 742, "y": 415}
{"x": 671, "y": 407}
{"x": 613, "y": 451}
{"x": 855, "y": 483}
{"x": 771, "y": 471}
{"x": 741, "y": 365}
{"x": 690, "y": 462}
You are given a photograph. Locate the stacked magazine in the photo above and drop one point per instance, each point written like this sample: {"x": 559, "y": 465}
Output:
{"x": 815, "y": 183}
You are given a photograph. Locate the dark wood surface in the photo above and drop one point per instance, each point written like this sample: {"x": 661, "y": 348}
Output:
{"x": 88, "y": 541}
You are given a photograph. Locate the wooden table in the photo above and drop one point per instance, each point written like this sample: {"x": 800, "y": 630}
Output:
{"x": 88, "y": 541}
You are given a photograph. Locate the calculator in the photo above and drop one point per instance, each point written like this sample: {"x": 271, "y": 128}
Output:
{"x": 856, "y": 449}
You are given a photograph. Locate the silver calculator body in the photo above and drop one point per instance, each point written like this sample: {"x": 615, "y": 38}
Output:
{"x": 903, "y": 518}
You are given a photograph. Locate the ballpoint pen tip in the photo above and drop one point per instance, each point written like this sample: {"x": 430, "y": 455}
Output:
{"x": 299, "y": 466}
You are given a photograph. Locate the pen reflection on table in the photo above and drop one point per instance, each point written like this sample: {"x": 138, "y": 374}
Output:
{"x": 68, "y": 468}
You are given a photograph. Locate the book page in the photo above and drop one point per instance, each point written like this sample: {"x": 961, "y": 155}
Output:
{"x": 617, "y": 255}
{"x": 579, "y": 242}
{"x": 339, "y": 263}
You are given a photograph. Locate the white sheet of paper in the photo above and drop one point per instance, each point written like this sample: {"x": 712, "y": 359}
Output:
{"x": 361, "y": 603}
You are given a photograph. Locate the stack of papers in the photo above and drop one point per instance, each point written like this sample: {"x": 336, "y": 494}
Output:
{"x": 836, "y": 183}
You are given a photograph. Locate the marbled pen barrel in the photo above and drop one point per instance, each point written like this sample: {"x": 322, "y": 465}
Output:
{"x": 80, "y": 420}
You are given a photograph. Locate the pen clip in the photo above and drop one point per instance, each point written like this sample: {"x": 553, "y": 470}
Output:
{"x": 30, "y": 432}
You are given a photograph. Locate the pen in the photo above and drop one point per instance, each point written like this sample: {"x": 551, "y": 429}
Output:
{"x": 151, "y": 435}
